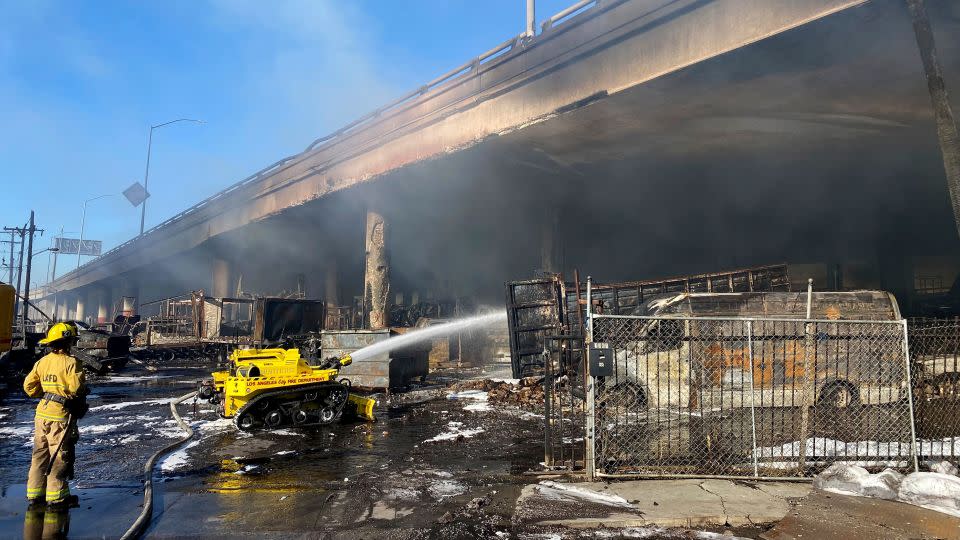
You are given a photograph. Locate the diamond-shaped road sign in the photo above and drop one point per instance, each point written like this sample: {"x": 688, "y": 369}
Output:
{"x": 136, "y": 194}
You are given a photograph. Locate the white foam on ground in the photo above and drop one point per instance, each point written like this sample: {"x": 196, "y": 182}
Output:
{"x": 632, "y": 532}
{"x": 478, "y": 397}
{"x": 944, "y": 467}
{"x": 202, "y": 429}
{"x": 652, "y": 531}
{"x": 99, "y": 429}
{"x": 443, "y": 489}
{"x": 287, "y": 432}
{"x": 24, "y": 430}
{"x": 931, "y": 490}
{"x": 854, "y": 480}
{"x": 564, "y": 492}
{"x": 478, "y": 407}
{"x": 454, "y": 431}
{"x": 247, "y": 469}
{"x": 178, "y": 459}
{"x": 402, "y": 494}
{"x": 855, "y": 451}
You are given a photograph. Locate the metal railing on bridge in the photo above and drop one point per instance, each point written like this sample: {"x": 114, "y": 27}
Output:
{"x": 470, "y": 68}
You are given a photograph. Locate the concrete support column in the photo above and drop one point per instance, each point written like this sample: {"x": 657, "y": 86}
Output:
{"x": 331, "y": 293}
{"x": 80, "y": 312}
{"x": 947, "y": 132}
{"x": 376, "y": 282}
{"x": 103, "y": 305}
{"x": 70, "y": 307}
{"x": 129, "y": 308}
{"x": 223, "y": 286}
{"x": 331, "y": 283}
{"x": 130, "y": 293}
{"x": 222, "y": 277}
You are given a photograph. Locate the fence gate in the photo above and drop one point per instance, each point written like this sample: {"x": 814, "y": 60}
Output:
{"x": 746, "y": 397}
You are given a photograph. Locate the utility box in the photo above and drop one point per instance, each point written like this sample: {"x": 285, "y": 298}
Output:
{"x": 601, "y": 361}
{"x": 388, "y": 370}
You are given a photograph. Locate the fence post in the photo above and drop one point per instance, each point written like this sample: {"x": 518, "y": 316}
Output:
{"x": 753, "y": 415}
{"x": 913, "y": 422}
{"x": 547, "y": 408}
{"x": 589, "y": 459}
{"x": 806, "y": 394}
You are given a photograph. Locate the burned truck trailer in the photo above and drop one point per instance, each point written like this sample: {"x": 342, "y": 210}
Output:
{"x": 198, "y": 325}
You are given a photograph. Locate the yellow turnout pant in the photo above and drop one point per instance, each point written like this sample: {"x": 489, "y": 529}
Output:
{"x": 47, "y": 435}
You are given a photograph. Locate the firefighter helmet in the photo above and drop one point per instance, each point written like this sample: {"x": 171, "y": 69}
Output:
{"x": 59, "y": 332}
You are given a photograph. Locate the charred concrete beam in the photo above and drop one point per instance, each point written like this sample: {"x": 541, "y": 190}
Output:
{"x": 942, "y": 113}
{"x": 376, "y": 281}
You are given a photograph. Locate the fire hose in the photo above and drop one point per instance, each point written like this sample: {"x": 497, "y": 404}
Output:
{"x": 143, "y": 520}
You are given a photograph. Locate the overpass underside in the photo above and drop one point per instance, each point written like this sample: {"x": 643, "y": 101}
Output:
{"x": 816, "y": 145}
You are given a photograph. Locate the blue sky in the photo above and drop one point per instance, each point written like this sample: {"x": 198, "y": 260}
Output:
{"x": 81, "y": 83}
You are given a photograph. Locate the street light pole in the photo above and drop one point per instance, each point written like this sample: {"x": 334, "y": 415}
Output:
{"x": 146, "y": 173}
{"x": 83, "y": 221}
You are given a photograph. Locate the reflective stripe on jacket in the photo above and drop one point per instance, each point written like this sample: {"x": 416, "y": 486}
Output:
{"x": 58, "y": 374}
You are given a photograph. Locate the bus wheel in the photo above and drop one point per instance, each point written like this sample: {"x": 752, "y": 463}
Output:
{"x": 839, "y": 394}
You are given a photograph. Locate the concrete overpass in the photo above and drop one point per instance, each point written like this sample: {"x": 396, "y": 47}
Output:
{"x": 636, "y": 137}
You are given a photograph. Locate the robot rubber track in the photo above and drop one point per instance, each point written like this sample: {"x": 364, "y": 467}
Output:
{"x": 315, "y": 404}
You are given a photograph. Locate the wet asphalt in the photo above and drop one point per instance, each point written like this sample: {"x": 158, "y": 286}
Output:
{"x": 354, "y": 480}
{"x": 430, "y": 467}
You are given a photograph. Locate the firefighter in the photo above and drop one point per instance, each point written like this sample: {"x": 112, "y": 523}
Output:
{"x": 58, "y": 380}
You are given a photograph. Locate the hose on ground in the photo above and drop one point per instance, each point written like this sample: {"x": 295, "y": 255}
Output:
{"x": 143, "y": 520}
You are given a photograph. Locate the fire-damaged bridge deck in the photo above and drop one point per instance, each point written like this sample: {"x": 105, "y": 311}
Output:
{"x": 604, "y": 51}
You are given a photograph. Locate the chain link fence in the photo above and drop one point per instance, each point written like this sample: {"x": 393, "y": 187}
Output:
{"x": 935, "y": 358}
{"x": 749, "y": 397}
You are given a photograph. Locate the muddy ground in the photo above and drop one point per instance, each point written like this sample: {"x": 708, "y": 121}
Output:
{"x": 430, "y": 467}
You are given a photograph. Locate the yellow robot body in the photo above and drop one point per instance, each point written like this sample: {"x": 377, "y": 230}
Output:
{"x": 272, "y": 388}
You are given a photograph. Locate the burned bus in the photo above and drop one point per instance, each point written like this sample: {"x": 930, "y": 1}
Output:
{"x": 696, "y": 350}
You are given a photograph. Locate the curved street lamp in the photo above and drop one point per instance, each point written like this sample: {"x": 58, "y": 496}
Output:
{"x": 83, "y": 221}
{"x": 146, "y": 174}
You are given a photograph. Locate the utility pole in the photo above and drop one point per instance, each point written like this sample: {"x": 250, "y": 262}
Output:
{"x": 943, "y": 114}
{"x": 26, "y": 242}
{"x": 12, "y": 243}
{"x": 26, "y": 289}
{"x": 16, "y": 303}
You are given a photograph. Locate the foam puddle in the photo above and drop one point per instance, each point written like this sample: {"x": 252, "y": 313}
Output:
{"x": 478, "y": 399}
{"x": 454, "y": 431}
{"x": 564, "y": 492}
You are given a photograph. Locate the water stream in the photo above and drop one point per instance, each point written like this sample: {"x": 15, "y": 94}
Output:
{"x": 426, "y": 333}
